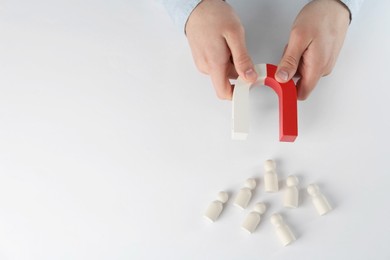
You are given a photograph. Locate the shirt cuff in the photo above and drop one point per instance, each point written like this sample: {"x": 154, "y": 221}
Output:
{"x": 353, "y": 6}
{"x": 180, "y": 11}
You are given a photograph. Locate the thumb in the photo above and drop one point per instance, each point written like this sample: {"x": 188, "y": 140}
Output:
{"x": 242, "y": 62}
{"x": 288, "y": 66}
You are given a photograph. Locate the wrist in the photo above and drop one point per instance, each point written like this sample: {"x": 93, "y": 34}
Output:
{"x": 202, "y": 4}
{"x": 345, "y": 9}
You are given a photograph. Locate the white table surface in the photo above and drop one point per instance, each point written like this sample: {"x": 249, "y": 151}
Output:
{"x": 112, "y": 144}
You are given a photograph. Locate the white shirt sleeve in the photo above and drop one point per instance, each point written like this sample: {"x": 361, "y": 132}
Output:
{"x": 180, "y": 10}
{"x": 353, "y": 6}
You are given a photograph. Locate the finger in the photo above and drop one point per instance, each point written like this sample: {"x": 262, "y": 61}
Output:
{"x": 222, "y": 86}
{"x": 289, "y": 63}
{"x": 232, "y": 73}
{"x": 307, "y": 83}
{"x": 242, "y": 62}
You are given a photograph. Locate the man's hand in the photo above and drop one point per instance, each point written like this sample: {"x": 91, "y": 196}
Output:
{"x": 217, "y": 41}
{"x": 315, "y": 41}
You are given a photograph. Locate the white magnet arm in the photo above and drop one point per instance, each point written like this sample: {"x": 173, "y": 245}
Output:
{"x": 240, "y": 113}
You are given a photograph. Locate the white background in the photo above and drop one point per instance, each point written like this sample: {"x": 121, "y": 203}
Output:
{"x": 112, "y": 144}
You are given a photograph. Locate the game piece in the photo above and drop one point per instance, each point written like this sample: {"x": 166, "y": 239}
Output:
{"x": 253, "y": 219}
{"x": 269, "y": 165}
{"x": 271, "y": 183}
{"x": 319, "y": 201}
{"x": 287, "y": 94}
{"x": 283, "y": 231}
{"x": 215, "y": 208}
{"x": 291, "y": 195}
{"x": 245, "y": 194}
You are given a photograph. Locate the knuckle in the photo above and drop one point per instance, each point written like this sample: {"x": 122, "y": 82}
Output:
{"x": 290, "y": 61}
{"x": 222, "y": 96}
{"x": 240, "y": 30}
{"x": 234, "y": 30}
{"x": 326, "y": 68}
{"x": 216, "y": 64}
{"x": 203, "y": 70}
{"x": 298, "y": 32}
{"x": 303, "y": 94}
{"x": 303, "y": 97}
{"x": 327, "y": 72}
{"x": 202, "y": 67}
{"x": 242, "y": 60}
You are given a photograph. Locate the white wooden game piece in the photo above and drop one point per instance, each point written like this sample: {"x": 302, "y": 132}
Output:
{"x": 253, "y": 219}
{"x": 240, "y": 104}
{"x": 319, "y": 201}
{"x": 291, "y": 195}
{"x": 245, "y": 194}
{"x": 215, "y": 208}
{"x": 283, "y": 231}
{"x": 269, "y": 165}
{"x": 270, "y": 177}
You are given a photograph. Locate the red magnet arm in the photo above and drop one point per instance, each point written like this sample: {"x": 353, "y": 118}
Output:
{"x": 288, "y": 116}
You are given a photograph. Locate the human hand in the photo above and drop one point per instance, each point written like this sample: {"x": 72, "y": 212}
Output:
{"x": 316, "y": 38}
{"x": 217, "y": 41}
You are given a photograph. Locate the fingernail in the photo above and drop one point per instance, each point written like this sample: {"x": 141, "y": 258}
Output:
{"x": 250, "y": 75}
{"x": 282, "y": 74}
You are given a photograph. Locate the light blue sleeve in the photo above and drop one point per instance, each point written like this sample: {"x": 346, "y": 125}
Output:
{"x": 353, "y": 6}
{"x": 180, "y": 10}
